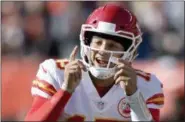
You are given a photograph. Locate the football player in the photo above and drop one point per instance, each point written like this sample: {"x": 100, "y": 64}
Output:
{"x": 103, "y": 86}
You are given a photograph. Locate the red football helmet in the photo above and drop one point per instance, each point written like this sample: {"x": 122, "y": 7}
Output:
{"x": 112, "y": 20}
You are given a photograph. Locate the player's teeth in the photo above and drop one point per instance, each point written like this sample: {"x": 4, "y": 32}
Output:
{"x": 102, "y": 62}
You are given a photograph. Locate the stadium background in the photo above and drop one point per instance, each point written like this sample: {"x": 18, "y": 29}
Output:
{"x": 34, "y": 31}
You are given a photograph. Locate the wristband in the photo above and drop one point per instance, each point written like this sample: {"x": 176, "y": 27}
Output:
{"x": 139, "y": 110}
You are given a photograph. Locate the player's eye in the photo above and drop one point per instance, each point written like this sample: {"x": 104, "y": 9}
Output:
{"x": 98, "y": 42}
{"x": 112, "y": 46}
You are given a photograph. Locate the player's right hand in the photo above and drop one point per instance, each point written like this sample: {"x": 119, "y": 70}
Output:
{"x": 73, "y": 72}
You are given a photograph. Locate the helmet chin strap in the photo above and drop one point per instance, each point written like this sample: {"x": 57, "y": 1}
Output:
{"x": 102, "y": 73}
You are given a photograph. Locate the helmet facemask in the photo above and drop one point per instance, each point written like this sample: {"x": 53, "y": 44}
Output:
{"x": 109, "y": 70}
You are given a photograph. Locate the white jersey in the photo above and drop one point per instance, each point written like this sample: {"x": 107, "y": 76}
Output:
{"x": 85, "y": 103}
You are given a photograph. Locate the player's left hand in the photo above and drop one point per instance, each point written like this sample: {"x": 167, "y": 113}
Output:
{"x": 126, "y": 77}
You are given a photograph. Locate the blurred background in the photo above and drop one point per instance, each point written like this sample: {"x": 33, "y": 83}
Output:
{"x": 34, "y": 31}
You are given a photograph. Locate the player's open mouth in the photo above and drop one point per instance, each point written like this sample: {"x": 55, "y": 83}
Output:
{"x": 102, "y": 62}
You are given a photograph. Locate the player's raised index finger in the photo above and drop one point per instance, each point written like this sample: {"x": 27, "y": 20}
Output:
{"x": 73, "y": 54}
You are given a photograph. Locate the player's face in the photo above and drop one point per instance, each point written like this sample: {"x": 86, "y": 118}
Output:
{"x": 100, "y": 58}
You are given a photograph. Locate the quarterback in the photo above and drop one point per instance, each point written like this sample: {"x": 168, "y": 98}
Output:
{"x": 103, "y": 86}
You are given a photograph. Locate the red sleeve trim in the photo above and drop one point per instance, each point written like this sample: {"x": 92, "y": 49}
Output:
{"x": 157, "y": 99}
{"x": 44, "y": 86}
{"x": 48, "y": 109}
{"x": 155, "y": 114}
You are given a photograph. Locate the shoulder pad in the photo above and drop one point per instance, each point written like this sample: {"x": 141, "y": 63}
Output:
{"x": 61, "y": 63}
{"x": 46, "y": 83}
{"x": 151, "y": 88}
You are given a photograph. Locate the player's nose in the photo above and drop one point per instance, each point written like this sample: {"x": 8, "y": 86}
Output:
{"x": 104, "y": 46}
{"x": 103, "y": 49}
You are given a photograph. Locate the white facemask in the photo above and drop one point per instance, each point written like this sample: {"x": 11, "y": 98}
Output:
{"x": 101, "y": 72}
{"x": 107, "y": 72}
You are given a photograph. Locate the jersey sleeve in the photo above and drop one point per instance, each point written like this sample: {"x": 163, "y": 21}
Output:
{"x": 152, "y": 91}
{"x": 48, "y": 79}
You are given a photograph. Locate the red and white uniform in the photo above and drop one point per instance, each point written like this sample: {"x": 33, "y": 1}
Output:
{"x": 85, "y": 104}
